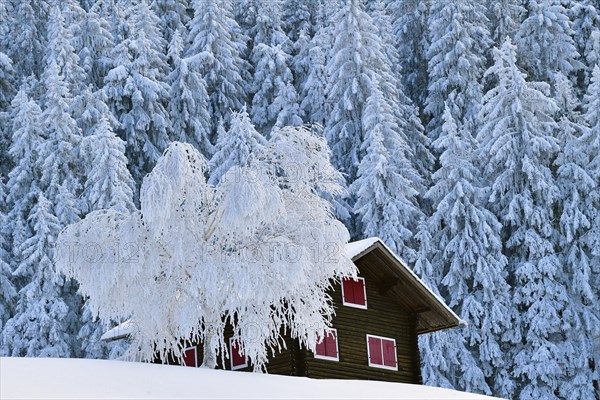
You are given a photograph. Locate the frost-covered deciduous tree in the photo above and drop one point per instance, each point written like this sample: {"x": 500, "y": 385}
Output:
{"x": 137, "y": 91}
{"x": 468, "y": 253}
{"x": 517, "y": 147}
{"x": 459, "y": 40}
{"x": 216, "y": 47}
{"x": 235, "y": 147}
{"x": 545, "y": 41}
{"x": 202, "y": 250}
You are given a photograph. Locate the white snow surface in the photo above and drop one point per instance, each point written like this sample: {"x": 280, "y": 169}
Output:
{"x": 64, "y": 378}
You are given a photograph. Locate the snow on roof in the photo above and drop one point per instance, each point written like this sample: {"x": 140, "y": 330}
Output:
{"x": 353, "y": 249}
{"x": 120, "y": 331}
{"x": 101, "y": 379}
{"x": 356, "y": 249}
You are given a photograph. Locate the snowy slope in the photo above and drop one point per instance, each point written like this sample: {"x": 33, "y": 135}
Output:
{"x": 47, "y": 378}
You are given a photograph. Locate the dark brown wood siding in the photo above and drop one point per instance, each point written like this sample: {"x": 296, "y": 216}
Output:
{"x": 383, "y": 317}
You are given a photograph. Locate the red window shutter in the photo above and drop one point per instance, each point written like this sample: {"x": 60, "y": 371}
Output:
{"x": 189, "y": 357}
{"x": 331, "y": 344}
{"x": 237, "y": 359}
{"x": 389, "y": 353}
{"x": 348, "y": 290}
{"x": 321, "y": 349}
{"x": 359, "y": 292}
{"x": 375, "y": 353}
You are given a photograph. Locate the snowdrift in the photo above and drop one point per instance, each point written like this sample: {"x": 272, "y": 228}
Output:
{"x": 46, "y": 378}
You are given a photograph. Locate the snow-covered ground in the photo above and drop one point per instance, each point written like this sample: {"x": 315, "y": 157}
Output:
{"x": 37, "y": 378}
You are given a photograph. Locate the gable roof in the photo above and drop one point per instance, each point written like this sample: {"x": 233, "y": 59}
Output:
{"x": 397, "y": 280}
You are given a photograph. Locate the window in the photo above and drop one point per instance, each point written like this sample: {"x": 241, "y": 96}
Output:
{"x": 238, "y": 360}
{"x": 382, "y": 352}
{"x": 327, "y": 349}
{"x": 190, "y": 357}
{"x": 354, "y": 292}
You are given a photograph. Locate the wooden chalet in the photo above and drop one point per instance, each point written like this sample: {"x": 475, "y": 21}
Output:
{"x": 376, "y": 326}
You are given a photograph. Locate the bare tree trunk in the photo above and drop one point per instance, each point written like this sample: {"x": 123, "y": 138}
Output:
{"x": 209, "y": 360}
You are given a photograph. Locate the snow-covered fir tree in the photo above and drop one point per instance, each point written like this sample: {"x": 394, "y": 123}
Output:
{"x": 409, "y": 21}
{"x": 95, "y": 43}
{"x": 578, "y": 209}
{"x": 386, "y": 204}
{"x": 6, "y": 95}
{"x": 299, "y": 22}
{"x": 61, "y": 50}
{"x": 137, "y": 90}
{"x": 355, "y": 67}
{"x": 173, "y": 16}
{"x": 189, "y": 105}
{"x": 517, "y": 148}
{"x": 405, "y": 112}
{"x": 274, "y": 97}
{"x": 216, "y": 47}
{"x": 314, "y": 102}
{"x": 41, "y": 325}
{"x": 545, "y": 41}
{"x": 468, "y": 252}
{"x": 46, "y": 315}
{"x": 7, "y": 287}
{"x": 108, "y": 184}
{"x": 57, "y": 152}
{"x": 24, "y": 37}
{"x": 459, "y": 40}
{"x": 586, "y": 34}
{"x": 89, "y": 108}
{"x": 505, "y": 17}
{"x": 6, "y": 81}
{"x": 236, "y": 146}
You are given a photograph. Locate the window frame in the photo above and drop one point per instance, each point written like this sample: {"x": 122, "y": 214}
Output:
{"x": 337, "y": 349}
{"x": 382, "y": 366}
{"x": 195, "y": 348}
{"x": 364, "y": 284}
{"x": 236, "y": 367}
